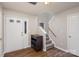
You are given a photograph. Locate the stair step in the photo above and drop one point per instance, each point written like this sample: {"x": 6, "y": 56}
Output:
{"x": 48, "y": 41}
{"x": 47, "y": 38}
{"x": 49, "y": 46}
{"x": 47, "y": 35}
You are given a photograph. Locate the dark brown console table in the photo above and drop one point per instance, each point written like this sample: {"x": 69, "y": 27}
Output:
{"x": 37, "y": 42}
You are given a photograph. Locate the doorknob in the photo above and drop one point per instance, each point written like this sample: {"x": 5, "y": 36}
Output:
{"x": 69, "y": 36}
{"x": 21, "y": 33}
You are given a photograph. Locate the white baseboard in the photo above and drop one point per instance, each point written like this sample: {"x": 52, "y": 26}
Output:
{"x": 28, "y": 46}
{"x": 61, "y": 49}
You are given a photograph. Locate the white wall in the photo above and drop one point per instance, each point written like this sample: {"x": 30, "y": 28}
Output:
{"x": 59, "y": 25}
{"x": 32, "y": 22}
{"x": 32, "y": 26}
{"x": 59, "y": 28}
{"x": 0, "y": 21}
{"x": 0, "y": 30}
{"x": 44, "y": 19}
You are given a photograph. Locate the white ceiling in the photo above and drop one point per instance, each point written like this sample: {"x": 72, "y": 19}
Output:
{"x": 40, "y": 8}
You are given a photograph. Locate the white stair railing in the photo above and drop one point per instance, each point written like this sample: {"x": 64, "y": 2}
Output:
{"x": 43, "y": 33}
{"x": 52, "y": 35}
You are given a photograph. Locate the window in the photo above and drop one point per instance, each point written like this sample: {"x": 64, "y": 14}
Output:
{"x": 25, "y": 27}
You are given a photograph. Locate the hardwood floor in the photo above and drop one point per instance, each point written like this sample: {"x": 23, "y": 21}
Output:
{"x": 29, "y": 52}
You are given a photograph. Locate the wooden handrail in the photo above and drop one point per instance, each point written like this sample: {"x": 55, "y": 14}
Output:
{"x": 52, "y": 32}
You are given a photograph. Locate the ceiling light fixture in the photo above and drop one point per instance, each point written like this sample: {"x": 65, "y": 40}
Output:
{"x": 46, "y": 2}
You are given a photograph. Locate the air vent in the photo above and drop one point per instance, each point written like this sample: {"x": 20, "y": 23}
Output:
{"x": 34, "y": 3}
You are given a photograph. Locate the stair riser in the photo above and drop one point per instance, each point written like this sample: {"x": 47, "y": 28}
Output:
{"x": 48, "y": 42}
{"x": 47, "y": 38}
{"x": 49, "y": 47}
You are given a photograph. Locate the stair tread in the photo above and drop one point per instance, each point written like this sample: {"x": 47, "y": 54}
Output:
{"x": 48, "y": 41}
{"x": 47, "y": 38}
{"x": 50, "y": 46}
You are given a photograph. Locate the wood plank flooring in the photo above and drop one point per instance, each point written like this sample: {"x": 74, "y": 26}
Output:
{"x": 29, "y": 52}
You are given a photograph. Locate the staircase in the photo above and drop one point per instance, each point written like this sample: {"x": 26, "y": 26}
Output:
{"x": 49, "y": 44}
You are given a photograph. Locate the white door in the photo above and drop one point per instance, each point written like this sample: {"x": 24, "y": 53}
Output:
{"x": 24, "y": 33}
{"x": 73, "y": 33}
{"x": 15, "y": 33}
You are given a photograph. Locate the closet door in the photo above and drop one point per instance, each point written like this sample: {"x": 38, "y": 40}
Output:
{"x": 73, "y": 33}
